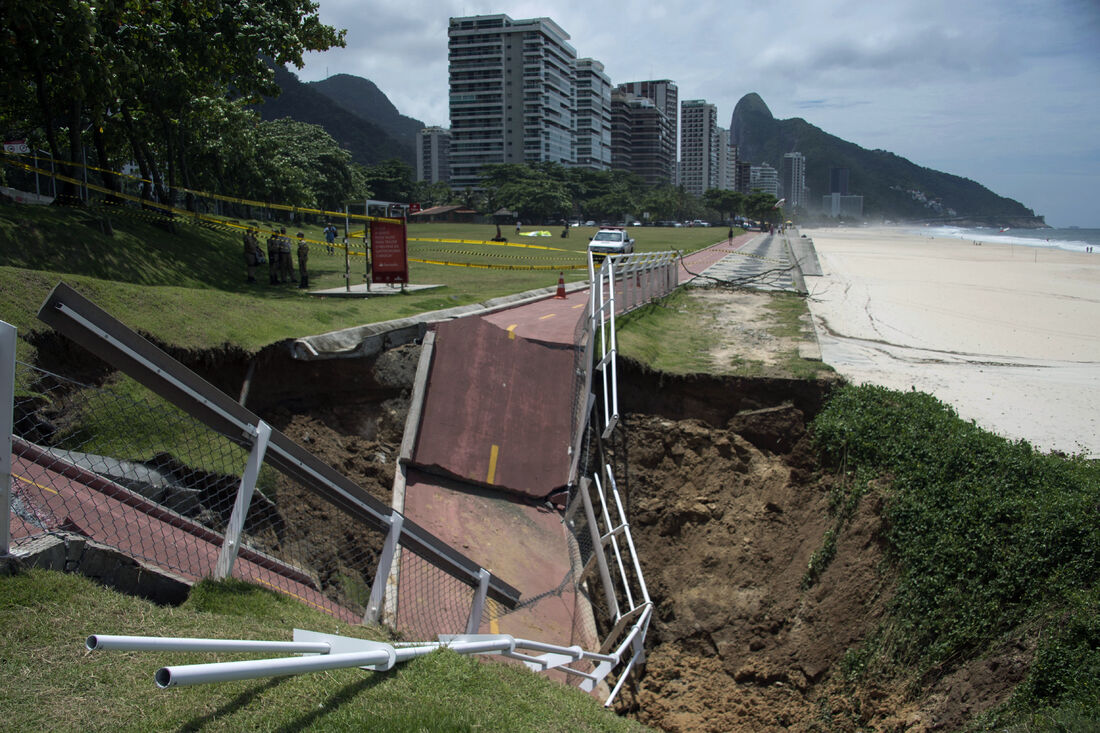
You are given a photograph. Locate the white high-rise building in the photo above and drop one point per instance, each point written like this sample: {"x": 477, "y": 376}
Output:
{"x": 699, "y": 146}
{"x": 764, "y": 178}
{"x": 727, "y": 161}
{"x": 593, "y": 115}
{"x": 512, "y": 94}
{"x": 794, "y": 179}
{"x": 433, "y": 148}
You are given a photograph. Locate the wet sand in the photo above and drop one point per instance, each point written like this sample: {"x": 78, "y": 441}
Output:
{"x": 1007, "y": 334}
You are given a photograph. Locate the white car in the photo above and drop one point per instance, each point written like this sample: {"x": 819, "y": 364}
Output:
{"x": 611, "y": 241}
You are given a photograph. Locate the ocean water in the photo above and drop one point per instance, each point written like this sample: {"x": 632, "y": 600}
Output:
{"x": 1072, "y": 240}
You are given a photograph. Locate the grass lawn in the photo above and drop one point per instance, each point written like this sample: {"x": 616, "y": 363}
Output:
{"x": 52, "y": 683}
{"x": 187, "y": 286}
{"x": 686, "y": 333}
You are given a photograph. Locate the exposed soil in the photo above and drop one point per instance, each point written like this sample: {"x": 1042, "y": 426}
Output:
{"x": 744, "y": 331}
{"x": 727, "y": 506}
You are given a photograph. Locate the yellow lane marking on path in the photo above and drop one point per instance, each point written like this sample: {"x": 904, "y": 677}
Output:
{"x": 512, "y": 331}
{"x": 548, "y": 315}
{"x": 494, "y": 627}
{"x": 26, "y": 480}
{"x": 579, "y": 305}
{"x": 493, "y": 452}
{"x": 292, "y": 594}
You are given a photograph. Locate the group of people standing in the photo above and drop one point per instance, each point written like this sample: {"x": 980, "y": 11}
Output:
{"x": 280, "y": 267}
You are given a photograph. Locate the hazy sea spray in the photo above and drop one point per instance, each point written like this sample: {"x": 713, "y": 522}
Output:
{"x": 1071, "y": 240}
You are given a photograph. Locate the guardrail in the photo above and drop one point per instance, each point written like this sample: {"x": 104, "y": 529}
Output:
{"x": 196, "y": 519}
{"x": 596, "y": 514}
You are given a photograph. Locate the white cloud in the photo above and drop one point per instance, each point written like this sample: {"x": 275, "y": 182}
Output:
{"x": 952, "y": 85}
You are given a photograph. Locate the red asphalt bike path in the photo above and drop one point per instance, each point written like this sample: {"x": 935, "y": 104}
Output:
{"x": 505, "y": 383}
{"x": 136, "y": 527}
{"x": 493, "y": 446}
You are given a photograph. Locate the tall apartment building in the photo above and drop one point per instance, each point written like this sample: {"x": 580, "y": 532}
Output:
{"x": 640, "y": 138}
{"x": 433, "y": 155}
{"x": 512, "y": 91}
{"x": 794, "y": 179}
{"x": 743, "y": 177}
{"x": 593, "y": 117}
{"x": 727, "y": 161}
{"x": 838, "y": 181}
{"x": 665, "y": 96}
{"x": 764, "y": 178}
{"x": 699, "y": 146}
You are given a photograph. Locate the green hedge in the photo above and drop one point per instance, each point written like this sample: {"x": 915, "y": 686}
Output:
{"x": 986, "y": 533}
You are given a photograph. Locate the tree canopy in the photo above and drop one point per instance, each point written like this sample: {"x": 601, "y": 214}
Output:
{"x": 147, "y": 81}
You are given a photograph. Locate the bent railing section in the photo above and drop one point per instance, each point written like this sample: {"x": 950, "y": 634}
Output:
{"x": 183, "y": 510}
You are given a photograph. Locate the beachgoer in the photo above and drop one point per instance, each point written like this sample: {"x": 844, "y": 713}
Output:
{"x": 303, "y": 257}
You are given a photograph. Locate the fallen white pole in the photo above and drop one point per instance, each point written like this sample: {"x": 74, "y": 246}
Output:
{"x": 170, "y": 644}
{"x": 379, "y": 657}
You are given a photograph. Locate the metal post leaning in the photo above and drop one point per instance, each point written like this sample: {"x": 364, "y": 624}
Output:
{"x": 382, "y": 573}
{"x": 7, "y": 408}
{"x": 232, "y": 544}
{"x": 478, "y": 604}
{"x": 598, "y": 549}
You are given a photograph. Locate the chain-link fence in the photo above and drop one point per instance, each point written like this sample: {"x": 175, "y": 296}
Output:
{"x": 169, "y": 471}
{"x": 116, "y": 464}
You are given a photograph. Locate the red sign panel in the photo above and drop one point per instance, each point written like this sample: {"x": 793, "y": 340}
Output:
{"x": 389, "y": 260}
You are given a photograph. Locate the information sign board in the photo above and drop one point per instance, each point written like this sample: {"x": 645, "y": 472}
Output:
{"x": 389, "y": 260}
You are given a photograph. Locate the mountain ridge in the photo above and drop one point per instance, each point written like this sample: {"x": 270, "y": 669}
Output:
{"x": 363, "y": 98}
{"x": 368, "y": 141}
{"x": 891, "y": 186}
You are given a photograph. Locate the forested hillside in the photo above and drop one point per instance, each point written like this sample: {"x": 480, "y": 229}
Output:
{"x": 367, "y": 140}
{"x": 363, "y": 98}
{"x": 891, "y": 186}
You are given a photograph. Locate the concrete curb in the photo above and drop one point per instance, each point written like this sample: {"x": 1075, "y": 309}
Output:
{"x": 72, "y": 553}
{"x": 374, "y": 338}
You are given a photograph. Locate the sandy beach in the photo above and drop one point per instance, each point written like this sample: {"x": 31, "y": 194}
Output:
{"x": 1007, "y": 334}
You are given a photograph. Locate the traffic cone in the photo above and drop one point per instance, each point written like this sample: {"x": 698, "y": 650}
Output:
{"x": 561, "y": 286}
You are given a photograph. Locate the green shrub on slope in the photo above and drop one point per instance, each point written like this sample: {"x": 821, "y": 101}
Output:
{"x": 986, "y": 533}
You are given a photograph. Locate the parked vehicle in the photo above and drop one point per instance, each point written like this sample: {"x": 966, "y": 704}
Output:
{"x": 611, "y": 241}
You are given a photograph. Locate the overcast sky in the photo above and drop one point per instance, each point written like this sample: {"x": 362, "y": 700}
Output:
{"x": 1006, "y": 92}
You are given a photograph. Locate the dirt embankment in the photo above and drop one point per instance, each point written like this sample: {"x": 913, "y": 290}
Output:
{"x": 726, "y": 529}
{"x": 727, "y": 503}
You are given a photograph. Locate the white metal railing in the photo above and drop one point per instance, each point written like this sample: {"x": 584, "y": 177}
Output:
{"x": 641, "y": 278}
{"x": 7, "y": 419}
{"x": 618, "y": 284}
{"x": 323, "y": 652}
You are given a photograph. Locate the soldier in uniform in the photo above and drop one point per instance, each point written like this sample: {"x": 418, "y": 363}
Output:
{"x": 251, "y": 253}
{"x": 286, "y": 267}
{"x": 303, "y": 257}
{"x": 273, "y": 258}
